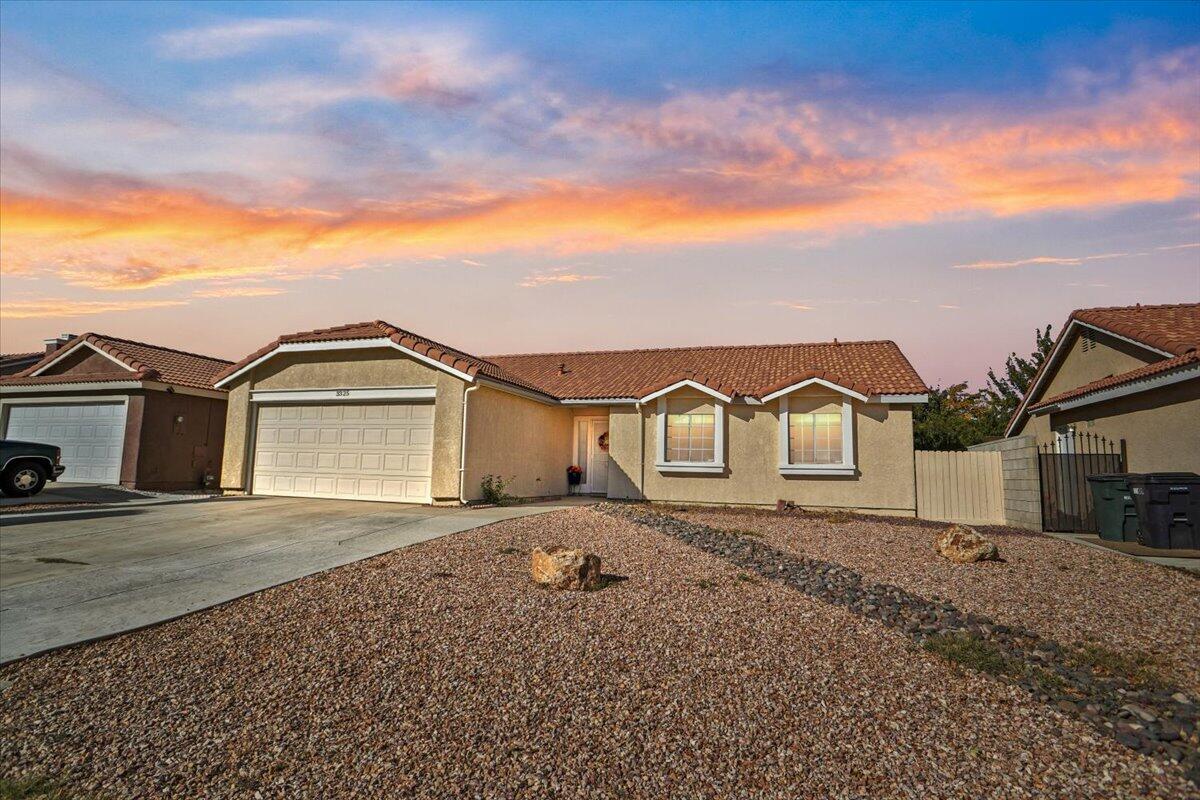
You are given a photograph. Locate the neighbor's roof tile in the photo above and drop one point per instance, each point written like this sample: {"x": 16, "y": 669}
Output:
{"x": 1122, "y": 379}
{"x": 146, "y": 362}
{"x": 1172, "y": 328}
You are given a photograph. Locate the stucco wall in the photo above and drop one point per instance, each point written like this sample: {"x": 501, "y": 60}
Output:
{"x": 1108, "y": 355}
{"x": 1161, "y": 428}
{"x": 332, "y": 369}
{"x": 883, "y": 483}
{"x": 525, "y": 442}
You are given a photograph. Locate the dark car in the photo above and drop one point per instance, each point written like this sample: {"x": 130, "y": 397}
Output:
{"x": 26, "y": 466}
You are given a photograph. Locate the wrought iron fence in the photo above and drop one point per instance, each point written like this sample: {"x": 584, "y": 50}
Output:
{"x": 1064, "y": 466}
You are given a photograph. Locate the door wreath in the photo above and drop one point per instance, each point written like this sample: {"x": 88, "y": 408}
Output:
{"x": 602, "y": 442}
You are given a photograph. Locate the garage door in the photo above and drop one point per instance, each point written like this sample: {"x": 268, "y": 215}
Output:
{"x": 91, "y": 435}
{"x": 353, "y": 452}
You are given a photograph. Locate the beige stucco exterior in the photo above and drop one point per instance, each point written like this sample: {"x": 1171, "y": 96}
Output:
{"x": 331, "y": 369}
{"x": 1106, "y": 355}
{"x": 1160, "y": 427}
{"x": 884, "y": 481}
{"x": 525, "y": 442}
{"x": 528, "y": 442}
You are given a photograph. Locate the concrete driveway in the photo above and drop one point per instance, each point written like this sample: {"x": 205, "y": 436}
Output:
{"x": 73, "y": 494}
{"x": 72, "y": 576}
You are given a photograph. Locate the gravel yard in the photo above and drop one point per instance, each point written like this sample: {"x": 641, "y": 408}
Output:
{"x": 439, "y": 670}
{"x": 1062, "y": 590}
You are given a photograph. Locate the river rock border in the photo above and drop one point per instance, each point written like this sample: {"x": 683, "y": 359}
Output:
{"x": 1158, "y": 721}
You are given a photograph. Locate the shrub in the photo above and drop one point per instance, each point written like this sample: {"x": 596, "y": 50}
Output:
{"x": 492, "y": 487}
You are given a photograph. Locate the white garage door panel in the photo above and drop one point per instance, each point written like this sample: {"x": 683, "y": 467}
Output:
{"x": 356, "y": 452}
{"x": 91, "y": 435}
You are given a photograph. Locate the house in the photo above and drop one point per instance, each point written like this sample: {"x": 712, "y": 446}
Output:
{"x": 371, "y": 411}
{"x": 12, "y": 363}
{"x": 1130, "y": 373}
{"x": 123, "y": 412}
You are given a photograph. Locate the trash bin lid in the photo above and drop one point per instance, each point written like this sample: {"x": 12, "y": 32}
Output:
{"x": 1166, "y": 477}
{"x": 1114, "y": 477}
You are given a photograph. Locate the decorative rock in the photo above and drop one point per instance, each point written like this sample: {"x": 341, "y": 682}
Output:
{"x": 964, "y": 545}
{"x": 559, "y": 568}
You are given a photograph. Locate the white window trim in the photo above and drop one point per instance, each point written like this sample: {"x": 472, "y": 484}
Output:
{"x": 847, "y": 467}
{"x": 687, "y": 384}
{"x": 660, "y": 457}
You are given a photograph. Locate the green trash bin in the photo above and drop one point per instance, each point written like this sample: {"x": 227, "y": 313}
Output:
{"x": 1116, "y": 512}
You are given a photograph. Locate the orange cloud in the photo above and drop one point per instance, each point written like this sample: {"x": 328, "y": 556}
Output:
{"x": 696, "y": 168}
{"x": 58, "y": 307}
{"x": 239, "y": 291}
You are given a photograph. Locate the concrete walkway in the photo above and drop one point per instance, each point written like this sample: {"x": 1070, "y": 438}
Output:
{"x": 72, "y": 577}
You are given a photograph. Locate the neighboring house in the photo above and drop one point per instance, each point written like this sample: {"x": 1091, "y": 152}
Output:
{"x": 1129, "y": 373}
{"x": 12, "y": 363}
{"x": 370, "y": 411}
{"x": 123, "y": 412}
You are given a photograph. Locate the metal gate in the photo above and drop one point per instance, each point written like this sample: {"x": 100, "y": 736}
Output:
{"x": 1063, "y": 467}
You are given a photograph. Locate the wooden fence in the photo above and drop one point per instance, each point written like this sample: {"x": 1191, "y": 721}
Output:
{"x": 962, "y": 487}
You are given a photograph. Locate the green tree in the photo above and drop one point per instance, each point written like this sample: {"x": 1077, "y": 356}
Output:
{"x": 953, "y": 419}
{"x": 1003, "y": 393}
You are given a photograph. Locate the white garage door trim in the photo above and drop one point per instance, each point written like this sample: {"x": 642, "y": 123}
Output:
{"x": 90, "y": 431}
{"x": 344, "y": 451}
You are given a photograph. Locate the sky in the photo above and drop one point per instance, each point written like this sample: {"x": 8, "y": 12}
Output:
{"x": 539, "y": 177}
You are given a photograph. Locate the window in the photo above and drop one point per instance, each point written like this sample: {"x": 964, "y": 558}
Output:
{"x": 816, "y": 435}
{"x": 690, "y": 434}
{"x": 815, "y": 438}
{"x": 691, "y": 438}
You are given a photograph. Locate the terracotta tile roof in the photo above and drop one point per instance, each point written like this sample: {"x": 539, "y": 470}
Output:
{"x": 748, "y": 370}
{"x": 20, "y": 356}
{"x": 1173, "y": 328}
{"x": 378, "y": 329}
{"x": 147, "y": 362}
{"x": 1132, "y": 376}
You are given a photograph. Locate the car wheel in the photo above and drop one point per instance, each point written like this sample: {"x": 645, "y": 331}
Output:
{"x": 23, "y": 479}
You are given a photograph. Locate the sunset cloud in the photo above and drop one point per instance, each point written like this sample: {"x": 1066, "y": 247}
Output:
{"x": 239, "y": 291}
{"x": 57, "y": 307}
{"x": 488, "y": 156}
{"x": 557, "y": 275}
{"x": 1056, "y": 260}
{"x": 793, "y": 306}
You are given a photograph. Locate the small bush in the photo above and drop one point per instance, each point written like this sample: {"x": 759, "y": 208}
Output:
{"x": 741, "y": 532}
{"x": 705, "y": 584}
{"x": 968, "y": 651}
{"x": 492, "y": 487}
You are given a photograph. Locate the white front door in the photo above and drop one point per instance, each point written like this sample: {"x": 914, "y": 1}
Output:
{"x": 591, "y": 448}
{"x": 373, "y": 451}
{"x": 91, "y": 435}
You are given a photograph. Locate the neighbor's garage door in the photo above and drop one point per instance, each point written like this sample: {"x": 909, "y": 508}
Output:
{"x": 91, "y": 435}
{"x": 354, "y": 452}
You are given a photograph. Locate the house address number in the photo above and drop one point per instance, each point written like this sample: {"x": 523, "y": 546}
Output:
{"x": 341, "y": 393}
